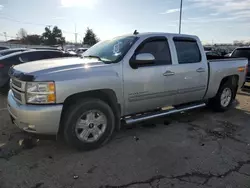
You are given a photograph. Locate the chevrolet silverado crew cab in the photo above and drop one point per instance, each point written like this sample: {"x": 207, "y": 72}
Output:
{"x": 130, "y": 78}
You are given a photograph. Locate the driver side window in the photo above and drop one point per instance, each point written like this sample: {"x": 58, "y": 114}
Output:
{"x": 159, "y": 48}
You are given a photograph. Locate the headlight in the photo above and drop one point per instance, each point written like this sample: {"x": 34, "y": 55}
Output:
{"x": 40, "y": 93}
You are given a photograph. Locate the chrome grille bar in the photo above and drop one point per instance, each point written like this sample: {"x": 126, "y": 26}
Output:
{"x": 18, "y": 89}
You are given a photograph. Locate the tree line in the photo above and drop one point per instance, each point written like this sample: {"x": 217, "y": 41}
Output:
{"x": 53, "y": 36}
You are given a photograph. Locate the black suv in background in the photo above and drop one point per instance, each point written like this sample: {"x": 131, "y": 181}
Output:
{"x": 23, "y": 57}
{"x": 243, "y": 52}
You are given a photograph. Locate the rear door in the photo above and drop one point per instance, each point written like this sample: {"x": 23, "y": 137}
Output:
{"x": 191, "y": 72}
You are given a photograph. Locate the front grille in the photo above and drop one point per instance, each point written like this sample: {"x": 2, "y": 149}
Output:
{"x": 18, "y": 88}
{"x": 17, "y": 95}
{"x": 17, "y": 83}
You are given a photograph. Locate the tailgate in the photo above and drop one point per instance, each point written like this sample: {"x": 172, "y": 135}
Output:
{"x": 248, "y": 73}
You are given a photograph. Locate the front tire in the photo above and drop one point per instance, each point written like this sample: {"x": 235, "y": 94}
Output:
{"x": 224, "y": 98}
{"x": 89, "y": 124}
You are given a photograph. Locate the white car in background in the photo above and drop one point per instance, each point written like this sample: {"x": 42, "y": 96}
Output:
{"x": 80, "y": 51}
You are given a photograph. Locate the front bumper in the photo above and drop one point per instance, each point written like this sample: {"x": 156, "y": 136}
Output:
{"x": 40, "y": 119}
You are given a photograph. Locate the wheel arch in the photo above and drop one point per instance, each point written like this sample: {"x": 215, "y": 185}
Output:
{"x": 233, "y": 79}
{"x": 106, "y": 95}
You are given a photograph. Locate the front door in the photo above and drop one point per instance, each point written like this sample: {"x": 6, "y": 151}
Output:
{"x": 145, "y": 87}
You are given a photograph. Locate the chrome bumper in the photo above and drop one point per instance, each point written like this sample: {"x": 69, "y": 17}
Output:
{"x": 40, "y": 119}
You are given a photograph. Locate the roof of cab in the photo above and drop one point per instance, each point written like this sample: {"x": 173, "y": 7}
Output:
{"x": 148, "y": 34}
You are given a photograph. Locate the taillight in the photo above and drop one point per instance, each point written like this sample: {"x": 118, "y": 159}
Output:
{"x": 1, "y": 66}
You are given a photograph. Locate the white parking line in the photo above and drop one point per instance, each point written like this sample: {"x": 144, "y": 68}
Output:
{"x": 2, "y": 109}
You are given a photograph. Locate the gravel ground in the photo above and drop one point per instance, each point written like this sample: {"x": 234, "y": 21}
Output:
{"x": 195, "y": 149}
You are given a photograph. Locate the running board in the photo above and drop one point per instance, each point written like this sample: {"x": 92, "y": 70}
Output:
{"x": 145, "y": 117}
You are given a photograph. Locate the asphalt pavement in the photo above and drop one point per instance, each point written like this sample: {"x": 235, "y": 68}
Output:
{"x": 199, "y": 148}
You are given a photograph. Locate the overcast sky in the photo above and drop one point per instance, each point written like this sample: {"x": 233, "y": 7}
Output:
{"x": 211, "y": 20}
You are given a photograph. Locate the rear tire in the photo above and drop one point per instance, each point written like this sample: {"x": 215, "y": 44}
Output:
{"x": 89, "y": 124}
{"x": 224, "y": 98}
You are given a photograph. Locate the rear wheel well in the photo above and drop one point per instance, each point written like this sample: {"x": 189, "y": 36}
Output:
{"x": 106, "y": 95}
{"x": 233, "y": 79}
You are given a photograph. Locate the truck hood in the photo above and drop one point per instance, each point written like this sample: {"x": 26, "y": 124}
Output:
{"x": 36, "y": 68}
{"x": 57, "y": 64}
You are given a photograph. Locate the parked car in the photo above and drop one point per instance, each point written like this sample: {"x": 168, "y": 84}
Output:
{"x": 3, "y": 48}
{"x": 70, "y": 50}
{"x": 72, "y": 53}
{"x": 12, "y": 50}
{"x": 79, "y": 51}
{"x": 22, "y": 57}
{"x": 213, "y": 54}
{"x": 243, "y": 52}
{"x": 228, "y": 55}
{"x": 130, "y": 78}
{"x": 46, "y": 48}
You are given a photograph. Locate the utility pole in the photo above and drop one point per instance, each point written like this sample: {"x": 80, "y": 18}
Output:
{"x": 75, "y": 35}
{"x": 5, "y": 35}
{"x": 180, "y": 18}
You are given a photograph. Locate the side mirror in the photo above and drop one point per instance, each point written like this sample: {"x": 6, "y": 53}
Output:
{"x": 142, "y": 59}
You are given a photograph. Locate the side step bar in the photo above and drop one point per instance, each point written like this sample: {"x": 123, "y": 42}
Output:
{"x": 145, "y": 117}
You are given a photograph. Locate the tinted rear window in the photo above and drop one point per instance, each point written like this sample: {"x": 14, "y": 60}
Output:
{"x": 242, "y": 53}
{"x": 187, "y": 51}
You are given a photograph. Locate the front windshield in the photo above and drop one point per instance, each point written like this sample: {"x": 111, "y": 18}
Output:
{"x": 111, "y": 50}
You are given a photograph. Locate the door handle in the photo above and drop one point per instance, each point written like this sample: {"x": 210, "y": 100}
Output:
{"x": 168, "y": 73}
{"x": 200, "y": 70}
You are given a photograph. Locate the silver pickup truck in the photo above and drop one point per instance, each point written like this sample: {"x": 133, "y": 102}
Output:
{"x": 130, "y": 78}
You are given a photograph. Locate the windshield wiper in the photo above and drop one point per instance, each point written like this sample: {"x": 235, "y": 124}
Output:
{"x": 97, "y": 57}
{"x": 93, "y": 56}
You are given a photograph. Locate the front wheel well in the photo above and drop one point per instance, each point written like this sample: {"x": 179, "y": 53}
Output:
{"x": 106, "y": 95}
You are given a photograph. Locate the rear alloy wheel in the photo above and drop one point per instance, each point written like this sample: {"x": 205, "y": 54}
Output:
{"x": 88, "y": 124}
{"x": 224, "y": 98}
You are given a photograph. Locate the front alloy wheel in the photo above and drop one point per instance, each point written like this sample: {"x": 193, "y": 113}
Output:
{"x": 88, "y": 124}
{"x": 91, "y": 126}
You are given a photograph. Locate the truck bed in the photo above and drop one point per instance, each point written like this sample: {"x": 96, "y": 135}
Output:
{"x": 220, "y": 68}
{"x": 211, "y": 57}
